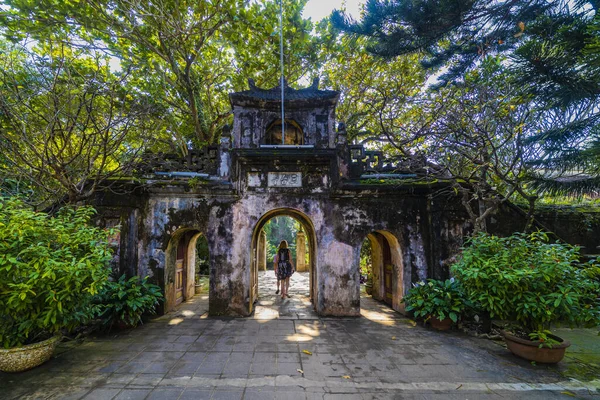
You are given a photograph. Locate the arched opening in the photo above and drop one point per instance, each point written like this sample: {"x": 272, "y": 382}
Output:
{"x": 381, "y": 263}
{"x": 186, "y": 256}
{"x": 305, "y": 246}
{"x": 293, "y": 133}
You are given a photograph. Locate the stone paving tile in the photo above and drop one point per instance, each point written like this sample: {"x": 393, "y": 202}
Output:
{"x": 292, "y": 368}
{"x": 236, "y": 370}
{"x": 102, "y": 394}
{"x": 227, "y": 394}
{"x": 259, "y": 395}
{"x": 133, "y": 394}
{"x": 211, "y": 368}
{"x": 263, "y": 368}
{"x": 158, "y": 367}
{"x": 290, "y": 395}
{"x": 146, "y": 381}
{"x": 133, "y": 367}
{"x": 165, "y": 394}
{"x": 195, "y": 394}
{"x": 370, "y": 357}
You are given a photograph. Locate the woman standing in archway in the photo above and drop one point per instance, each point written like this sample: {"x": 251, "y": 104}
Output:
{"x": 285, "y": 267}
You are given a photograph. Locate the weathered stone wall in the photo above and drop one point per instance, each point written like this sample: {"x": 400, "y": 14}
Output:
{"x": 578, "y": 226}
{"x": 426, "y": 229}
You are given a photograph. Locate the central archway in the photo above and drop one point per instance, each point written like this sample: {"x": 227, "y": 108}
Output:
{"x": 311, "y": 238}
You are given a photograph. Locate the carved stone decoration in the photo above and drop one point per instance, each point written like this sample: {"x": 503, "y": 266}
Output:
{"x": 342, "y": 137}
{"x": 365, "y": 162}
{"x": 204, "y": 161}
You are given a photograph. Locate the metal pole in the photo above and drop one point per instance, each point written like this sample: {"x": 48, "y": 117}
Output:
{"x": 282, "y": 78}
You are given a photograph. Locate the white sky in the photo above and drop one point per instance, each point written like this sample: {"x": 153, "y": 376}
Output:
{"x": 319, "y": 9}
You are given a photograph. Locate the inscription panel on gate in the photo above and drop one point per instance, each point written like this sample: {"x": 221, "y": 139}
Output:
{"x": 285, "y": 179}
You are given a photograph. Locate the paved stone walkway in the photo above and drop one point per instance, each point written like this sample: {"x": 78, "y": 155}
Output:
{"x": 297, "y": 306}
{"x": 289, "y": 354}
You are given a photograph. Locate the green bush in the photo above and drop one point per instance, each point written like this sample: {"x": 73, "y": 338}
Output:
{"x": 526, "y": 279}
{"x": 50, "y": 267}
{"x": 434, "y": 298}
{"x": 124, "y": 301}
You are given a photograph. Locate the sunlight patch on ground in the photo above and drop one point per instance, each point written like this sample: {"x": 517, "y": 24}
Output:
{"x": 188, "y": 313}
{"x": 308, "y": 330}
{"x": 176, "y": 321}
{"x": 296, "y": 337}
{"x": 379, "y": 317}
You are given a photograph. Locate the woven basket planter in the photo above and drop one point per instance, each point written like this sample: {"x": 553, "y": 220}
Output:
{"x": 23, "y": 358}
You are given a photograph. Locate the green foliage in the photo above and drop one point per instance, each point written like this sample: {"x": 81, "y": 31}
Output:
{"x": 379, "y": 96}
{"x": 544, "y": 337}
{"x": 202, "y": 264}
{"x": 278, "y": 229}
{"x": 527, "y": 279}
{"x": 187, "y": 54}
{"x": 436, "y": 298}
{"x": 126, "y": 300}
{"x": 476, "y": 136}
{"x": 366, "y": 259}
{"x": 50, "y": 267}
{"x": 552, "y": 48}
{"x": 67, "y": 122}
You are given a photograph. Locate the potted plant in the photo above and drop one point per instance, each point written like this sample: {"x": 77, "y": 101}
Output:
{"x": 369, "y": 285}
{"x": 50, "y": 267}
{"x": 534, "y": 283}
{"x": 122, "y": 302}
{"x": 436, "y": 301}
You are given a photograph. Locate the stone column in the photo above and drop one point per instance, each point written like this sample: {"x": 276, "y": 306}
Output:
{"x": 343, "y": 153}
{"x": 262, "y": 251}
{"x": 301, "y": 252}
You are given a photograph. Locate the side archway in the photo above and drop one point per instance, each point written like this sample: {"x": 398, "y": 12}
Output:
{"x": 180, "y": 267}
{"x": 255, "y": 256}
{"x": 387, "y": 269}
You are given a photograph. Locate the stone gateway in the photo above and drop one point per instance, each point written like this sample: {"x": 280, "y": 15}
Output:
{"x": 341, "y": 194}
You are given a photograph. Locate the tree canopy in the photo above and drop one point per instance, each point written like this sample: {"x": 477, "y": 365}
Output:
{"x": 550, "y": 49}
{"x": 187, "y": 54}
{"x": 505, "y": 95}
{"x": 68, "y": 123}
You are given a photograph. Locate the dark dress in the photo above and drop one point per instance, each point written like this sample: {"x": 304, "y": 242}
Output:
{"x": 284, "y": 266}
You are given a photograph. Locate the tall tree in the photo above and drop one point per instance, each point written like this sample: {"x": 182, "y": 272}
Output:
{"x": 67, "y": 123}
{"x": 476, "y": 140}
{"x": 552, "y": 48}
{"x": 378, "y": 98}
{"x": 188, "y": 53}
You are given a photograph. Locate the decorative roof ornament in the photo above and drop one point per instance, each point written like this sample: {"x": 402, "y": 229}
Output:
{"x": 270, "y": 98}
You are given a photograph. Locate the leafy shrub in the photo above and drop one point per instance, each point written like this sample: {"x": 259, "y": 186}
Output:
{"x": 434, "y": 298}
{"x": 50, "y": 267}
{"x": 527, "y": 279}
{"x": 124, "y": 301}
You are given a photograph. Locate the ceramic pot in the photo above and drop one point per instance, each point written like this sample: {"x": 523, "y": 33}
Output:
{"x": 198, "y": 289}
{"x": 29, "y": 356}
{"x": 442, "y": 325}
{"x": 369, "y": 286}
{"x": 531, "y": 350}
